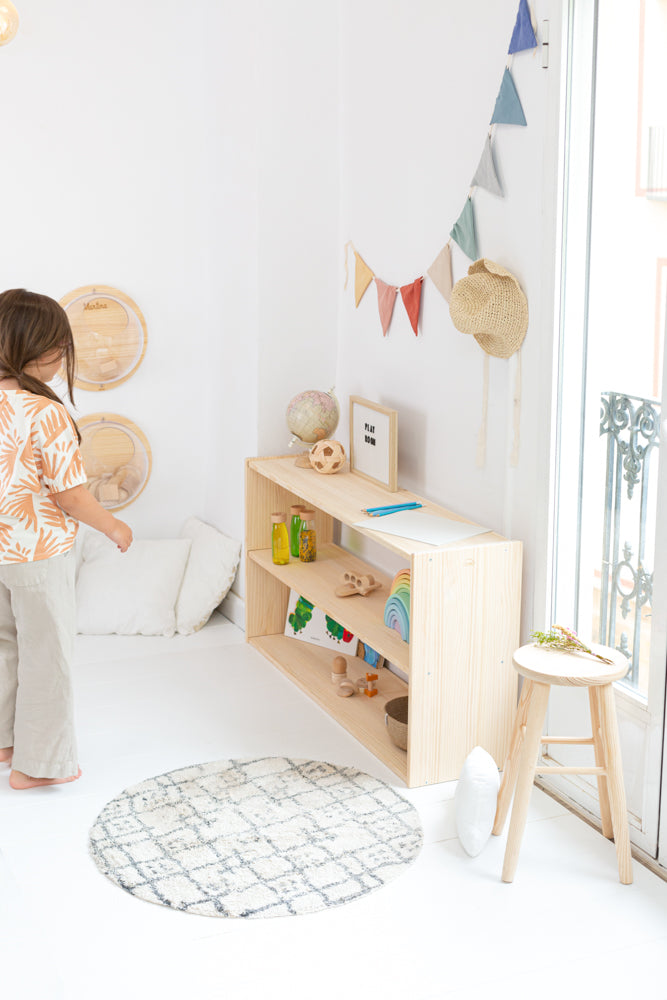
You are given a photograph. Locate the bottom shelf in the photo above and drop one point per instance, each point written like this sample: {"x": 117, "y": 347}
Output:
{"x": 309, "y": 667}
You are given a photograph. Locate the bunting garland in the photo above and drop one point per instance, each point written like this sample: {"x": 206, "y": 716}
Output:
{"x": 464, "y": 233}
{"x": 412, "y": 296}
{"x": 386, "y": 299}
{"x": 486, "y": 175}
{"x": 440, "y": 272}
{"x": 507, "y": 111}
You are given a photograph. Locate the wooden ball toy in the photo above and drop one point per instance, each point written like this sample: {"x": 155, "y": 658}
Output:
{"x": 327, "y": 457}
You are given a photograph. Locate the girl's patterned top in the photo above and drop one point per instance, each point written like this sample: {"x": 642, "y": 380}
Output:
{"x": 39, "y": 455}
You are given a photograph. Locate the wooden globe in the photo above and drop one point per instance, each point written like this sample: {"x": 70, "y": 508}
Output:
{"x": 327, "y": 456}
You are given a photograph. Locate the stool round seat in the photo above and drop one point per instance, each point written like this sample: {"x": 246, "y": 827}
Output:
{"x": 569, "y": 669}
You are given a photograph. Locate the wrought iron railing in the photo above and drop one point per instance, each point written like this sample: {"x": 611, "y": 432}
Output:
{"x": 631, "y": 426}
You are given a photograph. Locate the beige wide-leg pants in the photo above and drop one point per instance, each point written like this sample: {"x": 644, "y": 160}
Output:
{"x": 37, "y": 621}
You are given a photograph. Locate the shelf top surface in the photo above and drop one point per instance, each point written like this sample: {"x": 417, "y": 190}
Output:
{"x": 344, "y": 496}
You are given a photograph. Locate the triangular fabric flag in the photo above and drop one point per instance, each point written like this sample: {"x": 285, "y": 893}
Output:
{"x": 523, "y": 36}
{"x": 412, "y": 295}
{"x": 464, "y": 231}
{"x": 508, "y": 110}
{"x": 362, "y": 278}
{"x": 386, "y": 300}
{"x": 440, "y": 272}
{"x": 486, "y": 176}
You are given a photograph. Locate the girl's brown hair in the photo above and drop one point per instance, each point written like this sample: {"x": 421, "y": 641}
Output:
{"x": 32, "y": 325}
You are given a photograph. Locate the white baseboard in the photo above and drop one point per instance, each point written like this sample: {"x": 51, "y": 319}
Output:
{"x": 233, "y": 608}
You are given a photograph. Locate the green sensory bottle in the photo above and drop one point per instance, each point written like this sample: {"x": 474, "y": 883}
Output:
{"x": 295, "y": 528}
{"x": 279, "y": 539}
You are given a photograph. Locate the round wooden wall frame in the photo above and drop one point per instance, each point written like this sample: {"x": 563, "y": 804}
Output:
{"x": 109, "y": 335}
{"x": 117, "y": 458}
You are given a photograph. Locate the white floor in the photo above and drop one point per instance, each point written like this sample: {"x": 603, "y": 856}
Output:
{"x": 449, "y": 928}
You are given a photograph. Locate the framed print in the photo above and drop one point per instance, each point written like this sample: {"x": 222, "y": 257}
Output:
{"x": 374, "y": 442}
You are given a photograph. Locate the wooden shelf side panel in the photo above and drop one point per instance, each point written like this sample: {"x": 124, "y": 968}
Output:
{"x": 463, "y": 630}
{"x": 266, "y": 602}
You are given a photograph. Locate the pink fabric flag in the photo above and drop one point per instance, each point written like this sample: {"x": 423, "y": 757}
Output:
{"x": 386, "y": 299}
{"x": 412, "y": 296}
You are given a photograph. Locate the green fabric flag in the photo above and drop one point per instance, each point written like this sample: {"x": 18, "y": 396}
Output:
{"x": 464, "y": 231}
{"x": 508, "y": 110}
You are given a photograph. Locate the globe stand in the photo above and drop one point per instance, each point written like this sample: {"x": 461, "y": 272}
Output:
{"x": 302, "y": 461}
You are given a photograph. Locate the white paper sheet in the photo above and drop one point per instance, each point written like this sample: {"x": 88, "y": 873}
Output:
{"x": 421, "y": 526}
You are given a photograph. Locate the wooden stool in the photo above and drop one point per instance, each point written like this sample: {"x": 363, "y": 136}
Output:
{"x": 540, "y": 668}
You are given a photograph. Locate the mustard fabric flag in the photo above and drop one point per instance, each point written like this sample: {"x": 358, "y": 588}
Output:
{"x": 362, "y": 277}
{"x": 508, "y": 110}
{"x": 464, "y": 233}
{"x": 440, "y": 272}
{"x": 486, "y": 176}
{"x": 411, "y": 295}
{"x": 386, "y": 299}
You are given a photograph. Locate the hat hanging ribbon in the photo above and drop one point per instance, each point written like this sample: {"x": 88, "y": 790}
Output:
{"x": 489, "y": 303}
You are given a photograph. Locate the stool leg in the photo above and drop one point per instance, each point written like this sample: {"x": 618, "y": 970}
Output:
{"x": 539, "y": 700}
{"x": 600, "y": 761}
{"x": 612, "y": 752}
{"x": 511, "y": 765}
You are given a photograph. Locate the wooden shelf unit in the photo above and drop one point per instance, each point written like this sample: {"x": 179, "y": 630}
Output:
{"x": 464, "y": 621}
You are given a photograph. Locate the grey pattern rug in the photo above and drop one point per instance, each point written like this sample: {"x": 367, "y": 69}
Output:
{"x": 256, "y": 838}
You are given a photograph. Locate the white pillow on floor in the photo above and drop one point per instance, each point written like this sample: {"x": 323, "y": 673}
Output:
{"x": 212, "y": 565}
{"x": 475, "y": 800}
{"x": 130, "y": 593}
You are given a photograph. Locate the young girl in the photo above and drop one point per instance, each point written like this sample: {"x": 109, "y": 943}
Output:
{"x": 42, "y": 499}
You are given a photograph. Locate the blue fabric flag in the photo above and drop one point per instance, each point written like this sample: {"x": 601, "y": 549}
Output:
{"x": 463, "y": 232}
{"x": 523, "y": 36}
{"x": 508, "y": 110}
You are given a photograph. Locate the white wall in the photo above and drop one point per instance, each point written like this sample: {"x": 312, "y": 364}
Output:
{"x": 419, "y": 83}
{"x": 211, "y": 159}
{"x": 109, "y": 168}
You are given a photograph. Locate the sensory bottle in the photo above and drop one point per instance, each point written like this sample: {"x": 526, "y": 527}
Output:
{"x": 307, "y": 540}
{"x": 295, "y": 528}
{"x": 279, "y": 539}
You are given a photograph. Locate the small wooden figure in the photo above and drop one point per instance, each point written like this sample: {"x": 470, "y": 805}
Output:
{"x": 367, "y": 684}
{"x": 350, "y": 584}
{"x": 339, "y": 671}
{"x": 345, "y": 689}
{"x": 371, "y": 687}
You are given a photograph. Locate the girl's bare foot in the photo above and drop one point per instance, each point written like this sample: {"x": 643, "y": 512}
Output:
{"x": 6, "y": 754}
{"x": 19, "y": 780}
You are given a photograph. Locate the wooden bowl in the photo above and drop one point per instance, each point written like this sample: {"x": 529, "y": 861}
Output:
{"x": 396, "y": 721}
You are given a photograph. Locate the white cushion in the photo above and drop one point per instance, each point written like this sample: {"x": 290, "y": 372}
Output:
{"x": 476, "y": 799}
{"x": 133, "y": 592}
{"x": 214, "y": 559}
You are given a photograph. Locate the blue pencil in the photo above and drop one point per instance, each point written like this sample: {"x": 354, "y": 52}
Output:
{"x": 390, "y": 509}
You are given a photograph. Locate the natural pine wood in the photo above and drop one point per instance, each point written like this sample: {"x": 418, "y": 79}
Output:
{"x": 539, "y": 668}
{"x": 598, "y": 743}
{"x": 464, "y": 620}
{"x": 615, "y": 786}
{"x": 536, "y": 710}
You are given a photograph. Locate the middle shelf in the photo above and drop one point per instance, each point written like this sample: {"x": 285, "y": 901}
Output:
{"x": 363, "y": 616}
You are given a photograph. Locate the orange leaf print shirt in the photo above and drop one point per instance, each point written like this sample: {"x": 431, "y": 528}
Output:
{"x": 39, "y": 455}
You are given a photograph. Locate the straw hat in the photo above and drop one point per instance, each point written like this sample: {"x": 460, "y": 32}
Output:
{"x": 489, "y": 303}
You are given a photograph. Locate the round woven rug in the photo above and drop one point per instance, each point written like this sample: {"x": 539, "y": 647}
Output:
{"x": 256, "y": 838}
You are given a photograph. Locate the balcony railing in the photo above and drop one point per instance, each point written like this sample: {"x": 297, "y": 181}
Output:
{"x": 631, "y": 426}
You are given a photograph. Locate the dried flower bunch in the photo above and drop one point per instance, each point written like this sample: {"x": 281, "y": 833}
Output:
{"x": 563, "y": 638}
